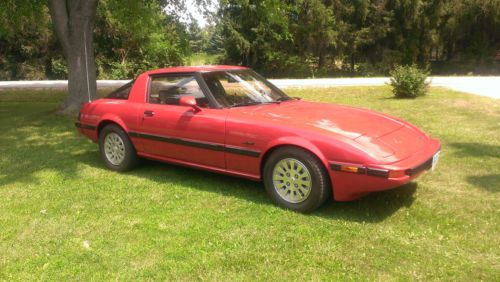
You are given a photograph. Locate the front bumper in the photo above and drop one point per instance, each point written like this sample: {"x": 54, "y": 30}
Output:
{"x": 351, "y": 181}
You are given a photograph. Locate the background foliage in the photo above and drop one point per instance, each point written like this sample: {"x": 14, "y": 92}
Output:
{"x": 320, "y": 37}
{"x": 300, "y": 38}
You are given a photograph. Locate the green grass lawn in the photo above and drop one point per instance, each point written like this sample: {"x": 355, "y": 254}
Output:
{"x": 63, "y": 215}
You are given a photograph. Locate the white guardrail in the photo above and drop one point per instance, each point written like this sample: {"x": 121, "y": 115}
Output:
{"x": 479, "y": 85}
{"x": 54, "y": 84}
{"x": 318, "y": 82}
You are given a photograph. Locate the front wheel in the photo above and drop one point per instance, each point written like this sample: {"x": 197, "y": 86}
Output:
{"x": 296, "y": 179}
{"x": 116, "y": 149}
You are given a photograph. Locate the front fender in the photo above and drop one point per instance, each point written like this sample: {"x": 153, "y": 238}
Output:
{"x": 293, "y": 141}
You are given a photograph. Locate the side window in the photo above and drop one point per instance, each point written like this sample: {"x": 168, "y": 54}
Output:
{"x": 167, "y": 90}
{"x": 121, "y": 93}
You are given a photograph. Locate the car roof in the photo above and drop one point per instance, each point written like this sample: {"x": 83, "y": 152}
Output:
{"x": 190, "y": 69}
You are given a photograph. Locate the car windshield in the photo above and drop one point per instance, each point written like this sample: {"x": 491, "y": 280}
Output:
{"x": 242, "y": 88}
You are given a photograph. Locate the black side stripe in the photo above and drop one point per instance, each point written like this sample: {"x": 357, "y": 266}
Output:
{"x": 203, "y": 145}
{"x": 197, "y": 144}
{"x": 240, "y": 151}
{"x": 378, "y": 172}
{"x": 85, "y": 126}
{"x": 335, "y": 166}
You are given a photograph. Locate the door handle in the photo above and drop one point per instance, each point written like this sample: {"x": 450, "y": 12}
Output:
{"x": 149, "y": 113}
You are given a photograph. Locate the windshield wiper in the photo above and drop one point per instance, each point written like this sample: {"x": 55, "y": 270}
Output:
{"x": 244, "y": 104}
{"x": 253, "y": 103}
{"x": 284, "y": 98}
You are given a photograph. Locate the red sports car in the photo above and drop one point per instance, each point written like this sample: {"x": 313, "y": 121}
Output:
{"x": 230, "y": 120}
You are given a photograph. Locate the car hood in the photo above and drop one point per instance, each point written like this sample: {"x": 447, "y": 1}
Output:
{"x": 381, "y": 135}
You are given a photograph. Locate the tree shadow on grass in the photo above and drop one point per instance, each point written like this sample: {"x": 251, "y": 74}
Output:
{"x": 477, "y": 150}
{"x": 489, "y": 183}
{"x": 33, "y": 140}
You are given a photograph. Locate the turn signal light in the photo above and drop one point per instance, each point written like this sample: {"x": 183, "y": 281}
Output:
{"x": 349, "y": 168}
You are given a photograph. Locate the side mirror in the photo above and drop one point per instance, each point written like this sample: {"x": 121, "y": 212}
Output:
{"x": 189, "y": 101}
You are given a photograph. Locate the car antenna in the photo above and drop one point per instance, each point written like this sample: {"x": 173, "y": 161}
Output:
{"x": 86, "y": 62}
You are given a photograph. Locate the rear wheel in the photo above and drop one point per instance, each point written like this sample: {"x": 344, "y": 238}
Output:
{"x": 296, "y": 179}
{"x": 116, "y": 149}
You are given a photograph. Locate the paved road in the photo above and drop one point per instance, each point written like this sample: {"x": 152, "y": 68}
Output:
{"x": 478, "y": 85}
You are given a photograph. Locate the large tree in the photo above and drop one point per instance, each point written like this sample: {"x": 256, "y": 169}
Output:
{"x": 125, "y": 48}
{"x": 147, "y": 31}
{"x": 74, "y": 24}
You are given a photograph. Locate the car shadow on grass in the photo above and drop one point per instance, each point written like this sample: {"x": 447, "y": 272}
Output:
{"x": 35, "y": 141}
{"x": 374, "y": 207}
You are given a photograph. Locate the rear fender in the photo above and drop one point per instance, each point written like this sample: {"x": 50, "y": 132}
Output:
{"x": 111, "y": 118}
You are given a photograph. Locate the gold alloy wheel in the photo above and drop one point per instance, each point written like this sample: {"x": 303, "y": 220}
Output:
{"x": 292, "y": 180}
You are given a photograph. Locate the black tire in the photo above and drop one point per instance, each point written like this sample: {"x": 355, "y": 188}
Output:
{"x": 320, "y": 188}
{"x": 130, "y": 159}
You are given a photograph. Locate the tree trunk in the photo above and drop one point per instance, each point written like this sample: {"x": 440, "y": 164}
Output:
{"x": 321, "y": 60}
{"x": 353, "y": 63}
{"x": 82, "y": 84}
{"x": 74, "y": 23}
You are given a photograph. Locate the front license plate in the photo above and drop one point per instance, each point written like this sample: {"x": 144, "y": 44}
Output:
{"x": 435, "y": 159}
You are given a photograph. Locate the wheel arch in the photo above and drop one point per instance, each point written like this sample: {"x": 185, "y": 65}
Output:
{"x": 110, "y": 120}
{"x": 306, "y": 146}
{"x": 299, "y": 143}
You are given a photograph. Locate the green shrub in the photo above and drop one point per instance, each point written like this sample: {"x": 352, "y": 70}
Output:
{"x": 408, "y": 81}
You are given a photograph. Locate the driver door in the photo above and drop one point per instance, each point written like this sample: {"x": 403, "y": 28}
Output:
{"x": 176, "y": 132}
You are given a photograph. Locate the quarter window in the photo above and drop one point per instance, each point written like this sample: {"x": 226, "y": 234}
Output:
{"x": 167, "y": 90}
{"x": 122, "y": 92}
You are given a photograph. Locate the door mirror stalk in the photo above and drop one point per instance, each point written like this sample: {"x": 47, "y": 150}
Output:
{"x": 189, "y": 101}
